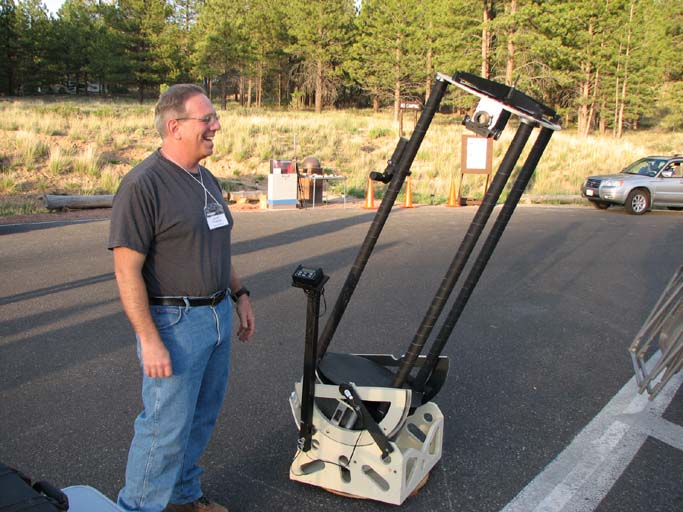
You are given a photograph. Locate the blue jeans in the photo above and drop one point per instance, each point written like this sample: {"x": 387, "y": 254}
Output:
{"x": 180, "y": 411}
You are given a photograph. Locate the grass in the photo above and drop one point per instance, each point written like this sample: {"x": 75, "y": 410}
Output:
{"x": 30, "y": 149}
{"x": 58, "y": 161}
{"x": 82, "y": 146}
{"x": 7, "y": 185}
{"x": 87, "y": 162}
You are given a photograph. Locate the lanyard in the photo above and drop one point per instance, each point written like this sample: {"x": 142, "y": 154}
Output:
{"x": 200, "y": 181}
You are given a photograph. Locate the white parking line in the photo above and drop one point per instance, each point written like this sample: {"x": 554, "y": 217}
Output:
{"x": 582, "y": 475}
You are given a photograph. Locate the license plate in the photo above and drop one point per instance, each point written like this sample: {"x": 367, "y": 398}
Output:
{"x": 589, "y": 192}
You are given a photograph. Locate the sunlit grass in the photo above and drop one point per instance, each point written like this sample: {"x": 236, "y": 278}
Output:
{"x": 81, "y": 146}
{"x": 7, "y": 185}
{"x": 19, "y": 208}
{"x": 87, "y": 162}
{"x": 108, "y": 181}
{"x": 30, "y": 149}
{"x": 58, "y": 162}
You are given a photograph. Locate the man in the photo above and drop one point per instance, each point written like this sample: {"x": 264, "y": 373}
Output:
{"x": 170, "y": 235}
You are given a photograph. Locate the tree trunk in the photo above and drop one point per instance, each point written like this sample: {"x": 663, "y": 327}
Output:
{"x": 241, "y": 87}
{"x": 594, "y": 94}
{"x": 486, "y": 39}
{"x": 429, "y": 62}
{"x": 620, "y": 119}
{"x": 397, "y": 80}
{"x": 585, "y": 91}
{"x": 279, "y": 89}
{"x": 319, "y": 87}
{"x": 510, "y": 65}
{"x": 259, "y": 86}
{"x": 430, "y": 73}
{"x": 250, "y": 83}
{"x": 584, "y": 94}
{"x": 603, "y": 120}
{"x": 622, "y": 100}
{"x": 616, "y": 102}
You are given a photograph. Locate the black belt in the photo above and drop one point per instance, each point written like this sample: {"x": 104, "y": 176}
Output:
{"x": 213, "y": 300}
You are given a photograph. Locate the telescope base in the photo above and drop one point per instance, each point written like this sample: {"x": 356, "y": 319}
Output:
{"x": 347, "y": 495}
{"x": 348, "y": 462}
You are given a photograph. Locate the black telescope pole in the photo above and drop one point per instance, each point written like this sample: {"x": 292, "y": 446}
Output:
{"x": 464, "y": 251}
{"x": 404, "y": 163}
{"x": 480, "y": 263}
{"x": 308, "y": 383}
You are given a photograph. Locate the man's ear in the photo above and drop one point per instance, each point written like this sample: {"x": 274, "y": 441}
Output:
{"x": 173, "y": 128}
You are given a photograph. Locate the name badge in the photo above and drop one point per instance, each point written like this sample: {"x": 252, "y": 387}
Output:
{"x": 215, "y": 216}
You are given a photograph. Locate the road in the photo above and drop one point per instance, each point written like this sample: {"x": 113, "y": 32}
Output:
{"x": 539, "y": 362}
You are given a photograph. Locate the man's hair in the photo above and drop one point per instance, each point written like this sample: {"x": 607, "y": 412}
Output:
{"x": 171, "y": 104}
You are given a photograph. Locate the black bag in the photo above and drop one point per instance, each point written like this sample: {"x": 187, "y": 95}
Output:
{"x": 18, "y": 494}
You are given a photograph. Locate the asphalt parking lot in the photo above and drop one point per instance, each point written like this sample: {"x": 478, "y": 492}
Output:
{"x": 538, "y": 410}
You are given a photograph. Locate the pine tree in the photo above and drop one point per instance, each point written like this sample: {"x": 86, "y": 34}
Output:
{"x": 220, "y": 42}
{"x": 8, "y": 46}
{"x": 321, "y": 33}
{"x": 146, "y": 34}
{"x": 32, "y": 37}
{"x": 388, "y": 53}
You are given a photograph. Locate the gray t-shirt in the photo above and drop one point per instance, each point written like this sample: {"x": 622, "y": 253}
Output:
{"x": 158, "y": 211}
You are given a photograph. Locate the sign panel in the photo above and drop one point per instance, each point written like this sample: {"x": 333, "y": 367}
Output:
{"x": 476, "y": 154}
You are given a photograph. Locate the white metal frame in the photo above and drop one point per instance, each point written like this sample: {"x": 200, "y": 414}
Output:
{"x": 349, "y": 462}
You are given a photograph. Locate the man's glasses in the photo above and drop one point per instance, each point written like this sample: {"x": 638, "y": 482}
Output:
{"x": 207, "y": 119}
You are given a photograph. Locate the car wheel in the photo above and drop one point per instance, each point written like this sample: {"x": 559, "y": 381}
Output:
{"x": 600, "y": 205}
{"x": 637, "y": 202}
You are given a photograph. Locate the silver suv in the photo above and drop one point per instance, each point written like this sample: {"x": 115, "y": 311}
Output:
{"x": 646, "y": 183}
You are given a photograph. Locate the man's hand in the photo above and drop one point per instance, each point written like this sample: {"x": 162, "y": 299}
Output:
{"x": 156, "y": 361}
{"x": 246, "y": 318}
{"x": 245, "y": 330}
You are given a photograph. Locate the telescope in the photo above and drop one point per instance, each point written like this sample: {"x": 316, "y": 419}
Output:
{"x": 368, "y": 425}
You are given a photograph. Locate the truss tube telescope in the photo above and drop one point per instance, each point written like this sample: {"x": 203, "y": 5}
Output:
{"x": 367, "y": 428}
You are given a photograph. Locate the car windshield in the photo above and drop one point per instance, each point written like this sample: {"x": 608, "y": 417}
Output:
{"x": 645, "y": 166}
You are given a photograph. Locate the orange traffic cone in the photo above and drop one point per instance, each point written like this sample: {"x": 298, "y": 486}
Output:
{"x": 370, "y": 196}
{"x": 408, "y": 202}
{"x": 452, "y": 200}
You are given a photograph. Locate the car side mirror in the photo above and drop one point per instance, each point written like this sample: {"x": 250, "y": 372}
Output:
{"x": 668, "y": 173}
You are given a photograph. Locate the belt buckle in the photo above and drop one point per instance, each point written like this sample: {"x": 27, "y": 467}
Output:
{"x": 217, "y": 298}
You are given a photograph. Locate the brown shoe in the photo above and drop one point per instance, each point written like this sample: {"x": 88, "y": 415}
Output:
{"x": 203, "y": 504}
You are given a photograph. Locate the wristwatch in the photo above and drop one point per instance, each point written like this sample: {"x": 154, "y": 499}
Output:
{"x": 239, "y": 293}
